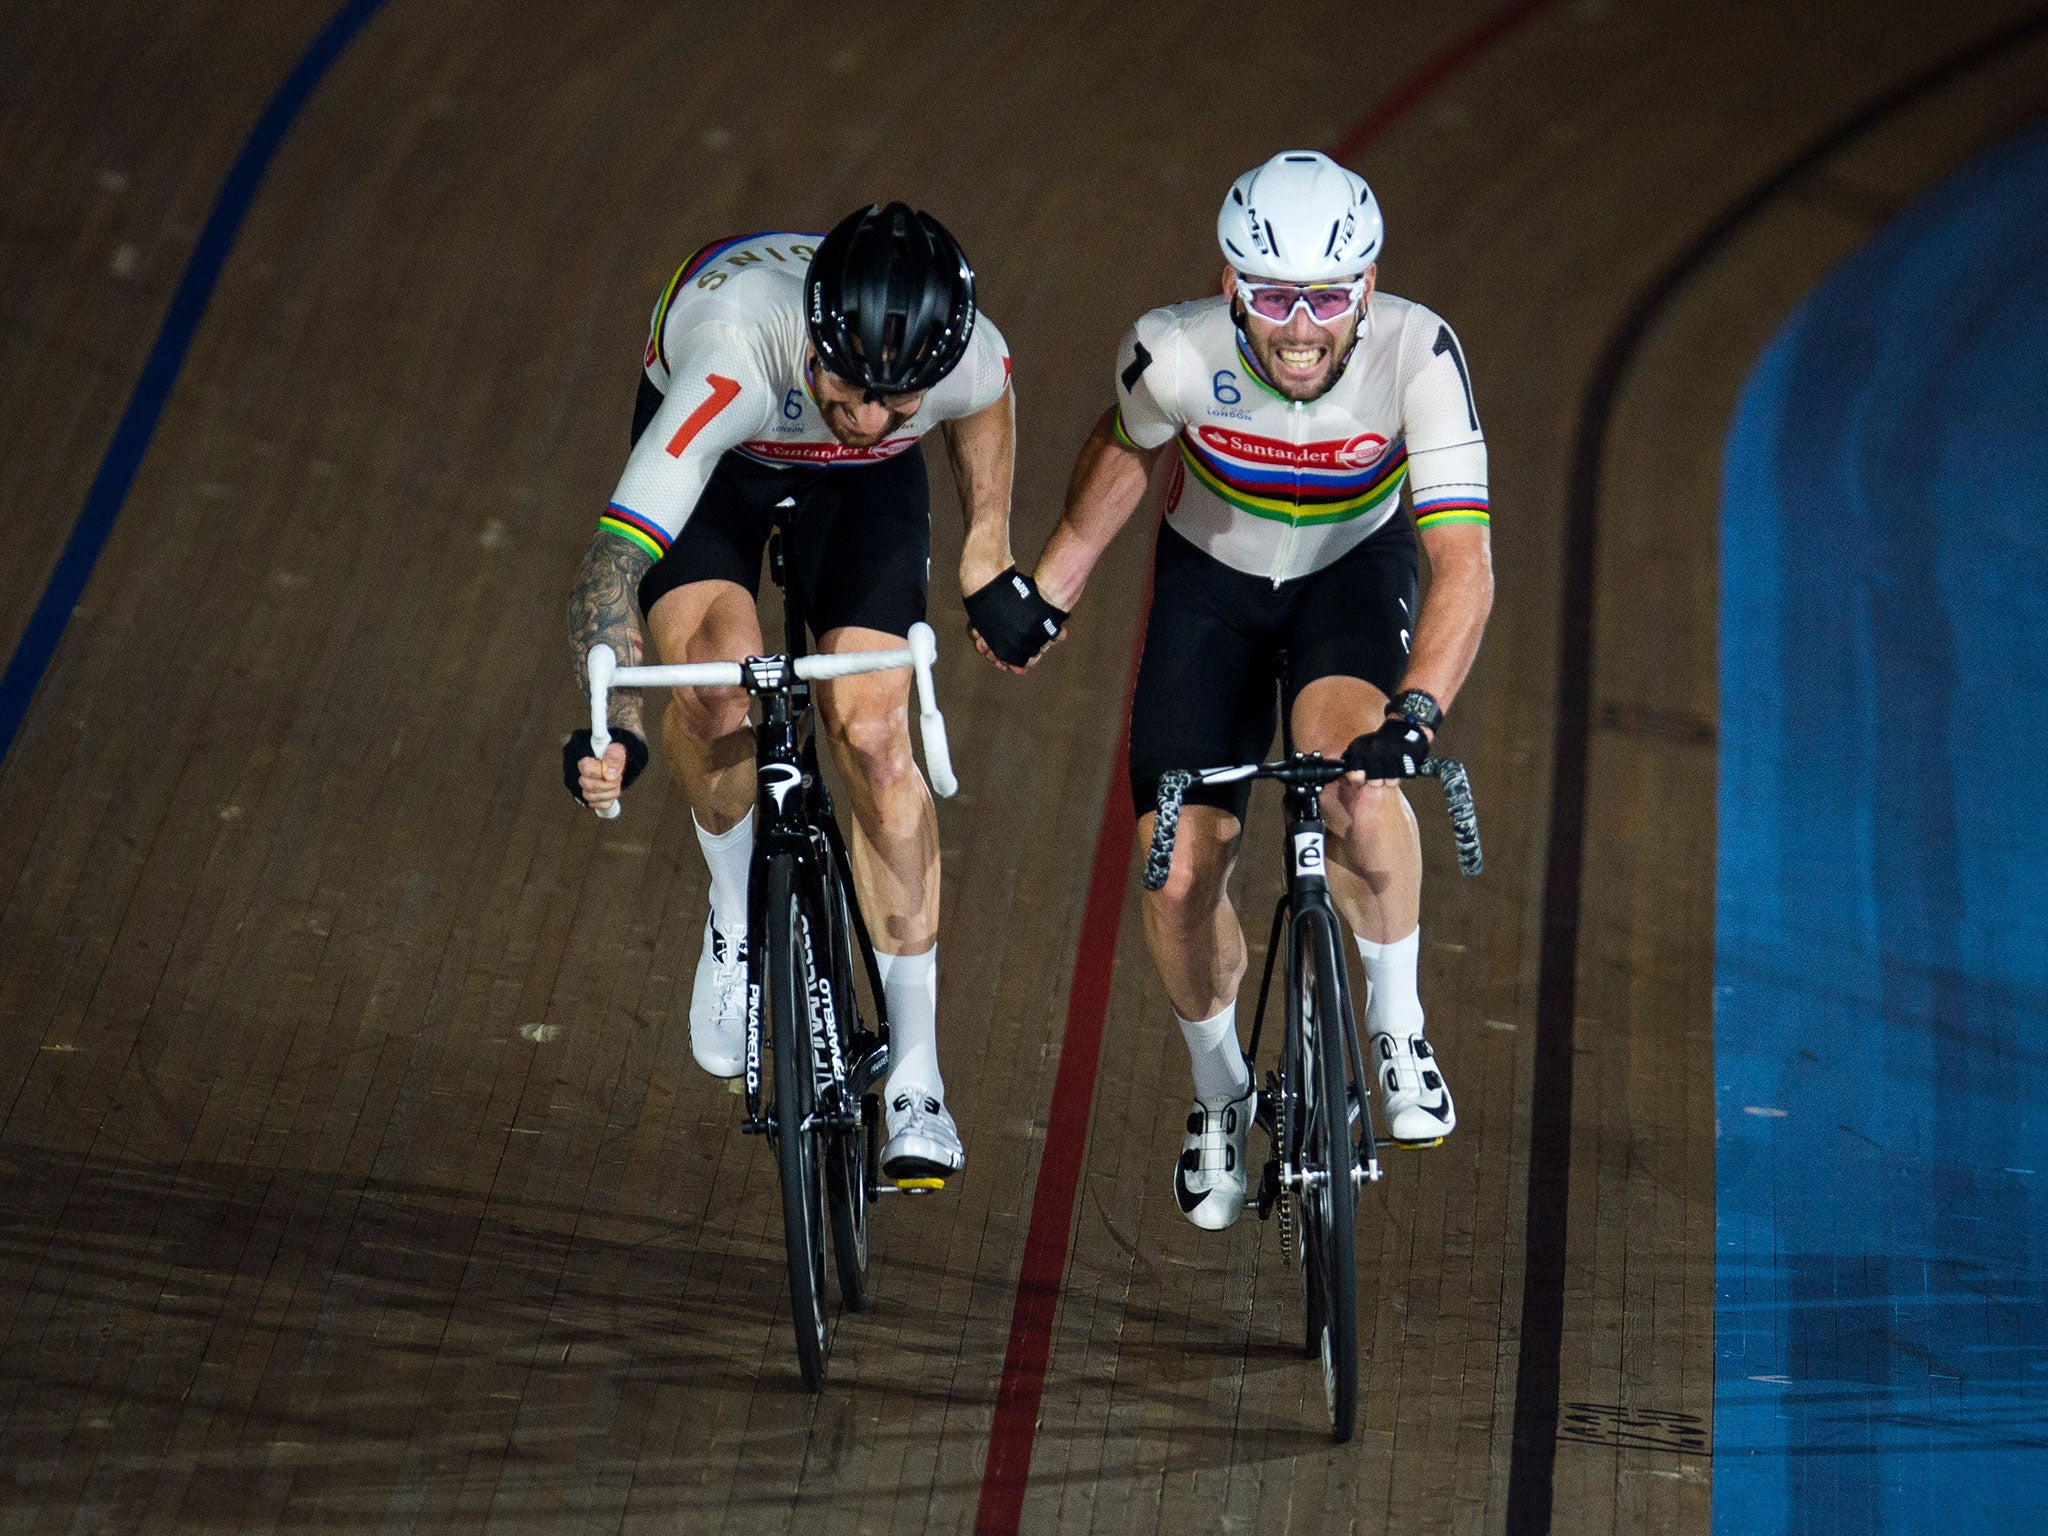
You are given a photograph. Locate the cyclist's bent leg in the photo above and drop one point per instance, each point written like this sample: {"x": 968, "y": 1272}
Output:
{"x": 895, "y": 843}
{"x": 1191, "y": 928}
{"x": 1196, "y": 941}
{"x": 1353, "y": 623}
{"x": 863, "y": 562}
{"x": 709, "y": 747}
{"x": 1204, "y": 699}
{"x": 1375, "y": 865}
{"x": 895, "y": 852}
{"x": 1375, "y": 847}
{"x": 705, "y": 733}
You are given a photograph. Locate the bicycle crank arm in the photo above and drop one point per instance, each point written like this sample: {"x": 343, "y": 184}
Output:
{"x": 867, "y": 1069}
{"x": 1269, "y": 1189}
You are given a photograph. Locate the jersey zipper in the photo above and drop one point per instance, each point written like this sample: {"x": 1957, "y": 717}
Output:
{"x": 1286, "y": 551}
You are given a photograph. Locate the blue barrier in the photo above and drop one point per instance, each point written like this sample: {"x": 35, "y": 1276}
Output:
{"x": 1881, "y": 1023}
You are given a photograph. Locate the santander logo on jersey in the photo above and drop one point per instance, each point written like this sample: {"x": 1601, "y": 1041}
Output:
{"x": 825, "y": 453}
{"x": 1360, "y": 452}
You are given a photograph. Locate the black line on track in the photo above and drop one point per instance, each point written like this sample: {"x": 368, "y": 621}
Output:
{"x": 1532, "y": 1463}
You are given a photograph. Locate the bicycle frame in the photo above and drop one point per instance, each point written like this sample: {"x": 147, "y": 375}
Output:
{"x": 802, "y": 824}
{"x": 1307, "y": 888}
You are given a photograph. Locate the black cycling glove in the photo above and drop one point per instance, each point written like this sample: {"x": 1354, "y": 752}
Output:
{"x": 577, "y": 748}
{"x": 1397, "y": 750}
{"x": 1012, "y": 618}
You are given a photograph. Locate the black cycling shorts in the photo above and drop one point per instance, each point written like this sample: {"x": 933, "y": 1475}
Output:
{"x": 1214, "y": 643}
{"x": 862, "y": 537}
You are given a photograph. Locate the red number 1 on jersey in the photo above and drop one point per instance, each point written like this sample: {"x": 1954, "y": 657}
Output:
{"x": 723, "y": 392}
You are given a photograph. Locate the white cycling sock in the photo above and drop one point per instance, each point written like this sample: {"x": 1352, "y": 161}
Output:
{"x": 730, "y": 854}
{"x": 1220, "y": 1074}
{"x": 910, "y": 989}
{"x": 1392, "y": 1005}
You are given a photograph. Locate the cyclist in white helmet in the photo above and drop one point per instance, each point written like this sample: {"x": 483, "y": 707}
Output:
{"x": 1296, "y": 405}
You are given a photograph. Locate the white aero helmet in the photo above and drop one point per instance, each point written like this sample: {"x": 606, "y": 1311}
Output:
{"x": 1300, "y": 218}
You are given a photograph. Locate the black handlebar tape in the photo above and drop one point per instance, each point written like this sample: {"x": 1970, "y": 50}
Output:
{"x": 1464, "y": 817}
{"x": 1172, "y": 786}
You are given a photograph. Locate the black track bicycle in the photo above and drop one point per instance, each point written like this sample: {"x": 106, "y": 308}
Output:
{"x": 812, "y": 1055}
{"x": 1313, "y": 1106}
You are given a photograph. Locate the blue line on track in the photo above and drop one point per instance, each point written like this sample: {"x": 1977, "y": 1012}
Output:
{"x": 38, "y": 644}
{"x": 1881, "y": 1030}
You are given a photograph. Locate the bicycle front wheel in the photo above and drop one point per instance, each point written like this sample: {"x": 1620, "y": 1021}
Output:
{"x": 796, "y": 1133}
{"x": 1328, "y": 1196}
{"x": 846, "y": 1146}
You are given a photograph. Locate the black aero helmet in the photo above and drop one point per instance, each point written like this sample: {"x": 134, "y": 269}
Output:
{"x": 889, "y": 300}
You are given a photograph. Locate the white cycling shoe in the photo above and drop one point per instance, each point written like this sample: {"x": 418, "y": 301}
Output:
{"x": 718, "y": 1005}
{"x": 923, "y": 1141}
{"x": 1413, "y": 1095}
{"x": 1208, "y": 1179}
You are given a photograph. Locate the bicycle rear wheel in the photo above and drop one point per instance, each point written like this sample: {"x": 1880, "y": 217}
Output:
{"x": 846, "y": 1146}
{"x": 1328, "y": 1196}
{"x": 797, "y": 1152}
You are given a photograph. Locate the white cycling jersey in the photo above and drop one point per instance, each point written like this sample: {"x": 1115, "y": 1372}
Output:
{"x": 726, "y": 348}
{"x": 1278, "y": 488}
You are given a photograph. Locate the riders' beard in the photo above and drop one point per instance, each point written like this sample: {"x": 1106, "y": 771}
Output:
{"x": 1319, "y": 356}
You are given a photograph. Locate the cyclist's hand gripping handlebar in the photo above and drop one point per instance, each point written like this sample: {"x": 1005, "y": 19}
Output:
{"x": 602, "y": 666}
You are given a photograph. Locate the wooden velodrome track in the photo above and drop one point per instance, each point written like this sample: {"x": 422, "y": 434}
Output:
{"x": 353, "y": 1170}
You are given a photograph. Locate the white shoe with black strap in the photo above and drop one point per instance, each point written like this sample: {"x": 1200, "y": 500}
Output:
{"x": 718, "y": 1004}
{"x": 1413, "y": 1095}
{"x": 1208, "y": 1177}
{"x": 924, "y": 1144}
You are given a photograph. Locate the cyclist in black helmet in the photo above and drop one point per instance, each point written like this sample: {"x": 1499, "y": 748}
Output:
{"x": 797, "y": 372}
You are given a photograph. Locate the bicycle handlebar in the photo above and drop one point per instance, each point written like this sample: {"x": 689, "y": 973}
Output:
{"x": 921, "y": 651}
{"x": 1174, "y": 785}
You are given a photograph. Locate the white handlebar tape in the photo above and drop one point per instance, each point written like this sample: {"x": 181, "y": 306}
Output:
{"x": 938, "y": 759}
{"x": 602, "y": 664}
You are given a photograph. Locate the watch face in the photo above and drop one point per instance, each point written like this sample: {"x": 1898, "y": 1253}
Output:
{"x": 1418, "y": 707}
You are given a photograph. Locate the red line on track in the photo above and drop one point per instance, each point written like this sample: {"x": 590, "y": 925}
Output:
{"x": 1046, "y": 1241}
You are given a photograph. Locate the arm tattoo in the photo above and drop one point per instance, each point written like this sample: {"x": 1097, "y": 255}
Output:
{"x": 606, "y": 607}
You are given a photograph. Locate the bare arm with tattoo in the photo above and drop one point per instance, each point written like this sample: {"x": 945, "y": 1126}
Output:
{"x": 605, "y": 607}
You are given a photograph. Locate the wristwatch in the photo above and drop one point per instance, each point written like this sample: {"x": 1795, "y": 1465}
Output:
{"x": 1417, "y": 707}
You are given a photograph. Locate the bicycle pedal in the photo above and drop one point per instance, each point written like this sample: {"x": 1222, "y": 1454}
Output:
{"x": 1420, "y": 1146}
{"x": 917, "y": 1186}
